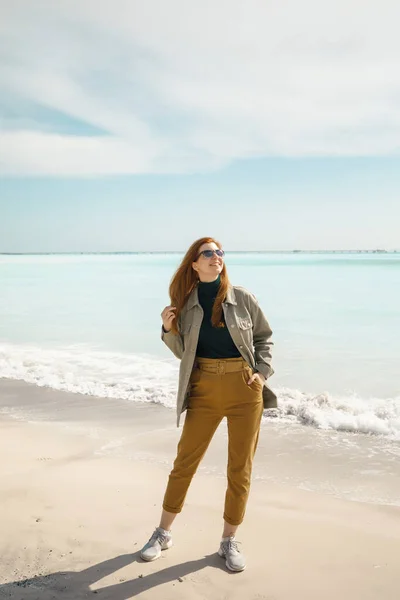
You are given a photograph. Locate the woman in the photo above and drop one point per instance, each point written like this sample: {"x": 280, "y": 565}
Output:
{"x": 222, "y": 338}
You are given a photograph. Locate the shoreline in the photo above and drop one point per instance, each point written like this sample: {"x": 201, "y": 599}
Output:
{"x": 345, "y": 465}
{"x": 74, "y": 520}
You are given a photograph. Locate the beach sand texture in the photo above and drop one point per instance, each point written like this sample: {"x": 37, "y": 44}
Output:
{"x": 74, "y": 517}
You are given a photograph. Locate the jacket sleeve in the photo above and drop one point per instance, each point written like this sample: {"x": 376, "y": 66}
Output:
{"x": 261, "y": 339}
{"x": 174, "y": 342}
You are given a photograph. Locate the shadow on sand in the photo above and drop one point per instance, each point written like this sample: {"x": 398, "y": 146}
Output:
{"x": 75, "y": 585}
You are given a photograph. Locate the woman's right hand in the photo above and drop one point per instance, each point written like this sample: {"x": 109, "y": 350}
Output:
{"x": 168, "y": 315}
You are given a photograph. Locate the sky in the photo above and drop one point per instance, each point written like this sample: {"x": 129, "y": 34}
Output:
{"x": 141, "y": 126}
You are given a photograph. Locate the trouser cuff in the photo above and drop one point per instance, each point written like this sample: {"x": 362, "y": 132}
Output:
{"x": 171, "y": 510}
{"x": 233, "y": 521}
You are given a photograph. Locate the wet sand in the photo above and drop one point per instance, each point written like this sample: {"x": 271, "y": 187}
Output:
{"x": 81, "y": 490}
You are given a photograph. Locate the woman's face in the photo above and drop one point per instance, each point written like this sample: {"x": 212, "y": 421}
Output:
{"x": 208, "y": 269}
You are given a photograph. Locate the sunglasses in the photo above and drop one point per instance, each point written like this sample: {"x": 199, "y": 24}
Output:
{"x": 210, "y": 253}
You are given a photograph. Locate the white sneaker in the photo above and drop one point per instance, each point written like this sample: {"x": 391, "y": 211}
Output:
{"x": 160, "y": 540}
{"x": 229, "y": 549}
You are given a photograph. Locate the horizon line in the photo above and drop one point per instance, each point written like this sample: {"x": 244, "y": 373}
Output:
{"x": 295, "y": 251}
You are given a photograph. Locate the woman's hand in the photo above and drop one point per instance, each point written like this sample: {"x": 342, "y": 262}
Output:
{"x": 258, "y": 376}
{"x": 168, "y": 315}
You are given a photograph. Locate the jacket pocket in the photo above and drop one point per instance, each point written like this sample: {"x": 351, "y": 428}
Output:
{"x": 244, "y": 323}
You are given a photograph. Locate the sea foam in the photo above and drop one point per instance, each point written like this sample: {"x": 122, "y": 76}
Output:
{"x": 144, "y": 378}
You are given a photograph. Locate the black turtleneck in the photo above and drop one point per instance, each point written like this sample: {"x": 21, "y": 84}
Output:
{"x": 214, "y": 342}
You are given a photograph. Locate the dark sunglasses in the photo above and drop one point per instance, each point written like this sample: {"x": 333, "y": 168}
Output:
{"x": 210, "y": 253}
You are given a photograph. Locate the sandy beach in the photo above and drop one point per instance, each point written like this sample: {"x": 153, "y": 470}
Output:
{"x": 74, "y": 516}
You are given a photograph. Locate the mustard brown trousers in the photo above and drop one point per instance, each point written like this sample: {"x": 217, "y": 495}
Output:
{"x": 218, "y": 389}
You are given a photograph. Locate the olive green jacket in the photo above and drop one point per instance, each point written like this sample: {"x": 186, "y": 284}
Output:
{"x": 249, "y": 330}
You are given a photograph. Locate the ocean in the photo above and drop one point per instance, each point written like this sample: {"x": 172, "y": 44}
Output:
{"x": 90, "y": 323}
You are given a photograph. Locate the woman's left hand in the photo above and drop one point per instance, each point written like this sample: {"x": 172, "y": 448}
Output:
{"x": 258, "y": 376}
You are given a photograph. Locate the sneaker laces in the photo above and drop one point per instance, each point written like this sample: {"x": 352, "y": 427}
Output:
{"x": 158, "y": 537}
{"x": 232, "y": 544}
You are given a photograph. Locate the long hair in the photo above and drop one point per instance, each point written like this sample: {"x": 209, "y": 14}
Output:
{"x": 186, "y": 279}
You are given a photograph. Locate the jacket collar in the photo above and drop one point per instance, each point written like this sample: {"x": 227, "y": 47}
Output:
{"x": 194, "y": 298}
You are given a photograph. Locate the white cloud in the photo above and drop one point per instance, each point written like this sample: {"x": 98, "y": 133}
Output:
{"x": 33, "y": 152}
{"x": 185, "y": 86}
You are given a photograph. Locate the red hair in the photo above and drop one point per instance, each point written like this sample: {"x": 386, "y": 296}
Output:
{"x": 185, "y": 280}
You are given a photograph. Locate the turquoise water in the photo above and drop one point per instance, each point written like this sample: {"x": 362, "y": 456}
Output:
{"x": 91, "y": 323}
